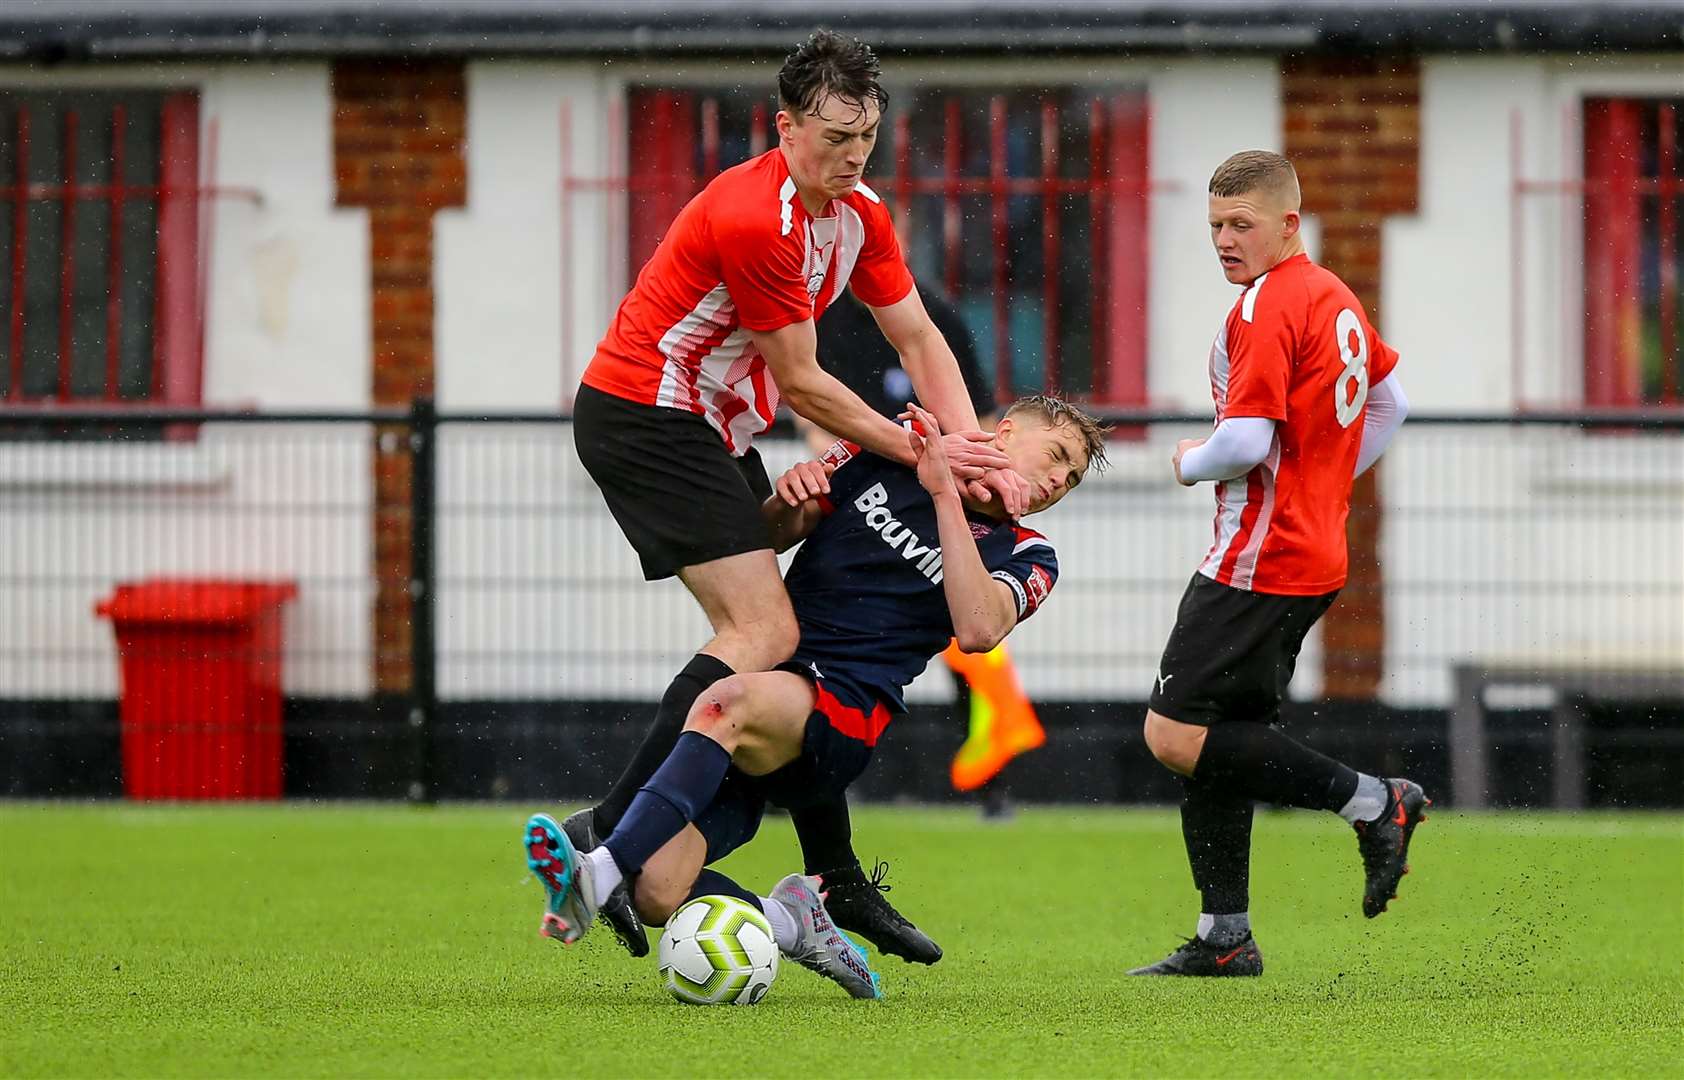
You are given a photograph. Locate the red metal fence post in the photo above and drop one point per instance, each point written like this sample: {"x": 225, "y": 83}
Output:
{"x": 69, "y": 192}
{"x": 1613, "y": 223}
{"x": 1002, "y": 282}
{"x": 1126, "y": 250}
{"x": 20, "y": 226}
{"x": 114, "y": 261}
{"x": 1097, "y": 206}
{"x": 1667, "y": 187}
{"x": 1051, "y": 249}
{"x": 950, "y": 218}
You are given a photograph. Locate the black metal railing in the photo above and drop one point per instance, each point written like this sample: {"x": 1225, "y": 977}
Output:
{"x": 469, "y": 622}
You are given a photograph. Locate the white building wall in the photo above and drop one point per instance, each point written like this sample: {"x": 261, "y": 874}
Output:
{"x": 541, "y": 596}
{"x": 287, "y": 328}
{"x": 498, "y": 272}
{"x": 1463, "y": 278}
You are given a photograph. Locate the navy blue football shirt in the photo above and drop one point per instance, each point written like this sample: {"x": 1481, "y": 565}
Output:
{"x": 867, "y": 583}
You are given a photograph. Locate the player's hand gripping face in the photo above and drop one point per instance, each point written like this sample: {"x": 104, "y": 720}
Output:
{"x": 935, "y": 473}
{"x": 804, "y": 482}
{"x": 1013, "y": 491}
{"x": 978, "y": 464}
{"x": 1047, "y": 461}
{"x": 1050, "y": 458}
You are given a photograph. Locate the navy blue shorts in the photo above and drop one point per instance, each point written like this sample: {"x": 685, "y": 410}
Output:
{"x": 841, "y": 733}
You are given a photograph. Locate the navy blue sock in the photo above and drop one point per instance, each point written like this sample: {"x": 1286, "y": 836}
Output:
{"x": 713, "y": 883}
{"x": 678, "y": 792}
{"x": 700, "y": 673}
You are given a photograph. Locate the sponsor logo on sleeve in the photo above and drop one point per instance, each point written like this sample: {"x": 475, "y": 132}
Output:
{"x": 1039, "y": 585}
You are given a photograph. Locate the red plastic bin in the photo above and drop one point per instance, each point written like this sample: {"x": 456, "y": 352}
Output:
{"x": 201, "y": 687}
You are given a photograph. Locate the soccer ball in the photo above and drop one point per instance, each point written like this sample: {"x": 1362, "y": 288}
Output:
{"x": 718, "y": 950}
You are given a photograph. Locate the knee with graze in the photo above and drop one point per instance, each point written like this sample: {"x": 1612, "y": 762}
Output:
{"x": 720, "y": 712}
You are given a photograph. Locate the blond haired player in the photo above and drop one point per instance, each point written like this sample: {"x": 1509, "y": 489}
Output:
{"x": 1305, "y": 401}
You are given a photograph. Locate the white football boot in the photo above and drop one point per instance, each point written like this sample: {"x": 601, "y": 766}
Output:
{"x": 819, "y": 945}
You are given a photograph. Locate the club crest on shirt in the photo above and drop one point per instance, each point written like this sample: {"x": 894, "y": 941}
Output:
{"x": 840, "y": 453}
{"x": 818, "y": 265}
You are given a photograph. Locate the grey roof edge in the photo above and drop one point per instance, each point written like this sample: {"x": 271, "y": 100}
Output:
{"x": 52, "y": 30}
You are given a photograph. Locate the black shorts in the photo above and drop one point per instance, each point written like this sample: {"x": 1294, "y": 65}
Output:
{"x": 836, "y": 747}
{"x": 1232, "y": 653}
{"x": 677, "y": 494}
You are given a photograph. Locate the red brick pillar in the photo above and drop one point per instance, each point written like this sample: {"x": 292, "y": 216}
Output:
{"x": 1353, "y": 132}
{"x": 398, "y": 130}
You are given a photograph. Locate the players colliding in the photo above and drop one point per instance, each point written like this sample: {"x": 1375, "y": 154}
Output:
{"x": 895, "y": 562}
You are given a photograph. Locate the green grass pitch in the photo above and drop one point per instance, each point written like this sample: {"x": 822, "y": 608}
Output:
{"x": 388, "y": 941}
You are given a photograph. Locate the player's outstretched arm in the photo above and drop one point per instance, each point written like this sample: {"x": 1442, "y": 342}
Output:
{"x": 1382, "y": 415}
{"x": 928, "y": 360}
{"x": 934, "y": 370}
{"x": 983, "y": 609}
{"x": 796, "y": 505}
{"x": 792, "y": 354}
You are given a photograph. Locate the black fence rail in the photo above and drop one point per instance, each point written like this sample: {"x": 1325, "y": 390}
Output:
{"x": 451, "y": 613}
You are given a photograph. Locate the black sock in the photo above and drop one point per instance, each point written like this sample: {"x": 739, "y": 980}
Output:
{"x": 675, "y": 796}
{"x": 1216, "y": 826}
{"x": 700, "y": 673}
{"x": 826, "y": 836}
{"x": 713, "y": 883}
{"x": 1257, "y": 761}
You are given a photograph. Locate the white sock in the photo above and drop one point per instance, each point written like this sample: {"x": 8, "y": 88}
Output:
{"x": 785, "y": 930}
{"x": 1224, "y": 930}
{"x": 1368, "y": 803}
{"x": 605, "y": 872}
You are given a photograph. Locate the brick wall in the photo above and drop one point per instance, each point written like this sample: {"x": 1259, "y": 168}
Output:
{"x": 398, "y": 132}
{"x": 1353, "y": 127}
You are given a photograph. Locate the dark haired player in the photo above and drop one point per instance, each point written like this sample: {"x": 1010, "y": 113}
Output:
{"x": 896, "y": 562}
{"x": 715, "y": 333}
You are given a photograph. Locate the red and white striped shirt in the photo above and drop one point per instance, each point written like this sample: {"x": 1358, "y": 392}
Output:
{"x": 743, "y": 255}
{"x": 1296, "y": 349}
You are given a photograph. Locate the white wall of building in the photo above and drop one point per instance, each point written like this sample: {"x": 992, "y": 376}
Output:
{"x": 287, "y": 328}
{"x": 1486, "y": 305}
{"x": 541, "y": 597}
{"x": 498, "y": 274}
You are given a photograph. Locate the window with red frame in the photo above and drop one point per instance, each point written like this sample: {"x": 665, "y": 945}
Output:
{"x": 1026, "y": 207}
{"x": 99, "y": 267}
{"x": 1633, "y": 234}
